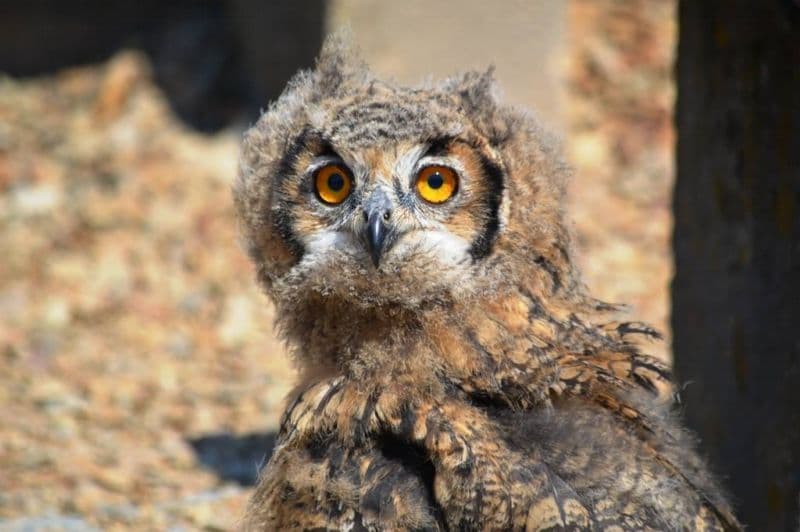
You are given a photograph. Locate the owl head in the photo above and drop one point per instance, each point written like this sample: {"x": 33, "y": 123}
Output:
{"x": 375, "y": 194}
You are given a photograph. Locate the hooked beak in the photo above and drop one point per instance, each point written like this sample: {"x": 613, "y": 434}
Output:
{"x": 377, "y": 230}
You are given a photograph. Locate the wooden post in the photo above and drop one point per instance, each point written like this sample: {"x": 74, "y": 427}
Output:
{"x": 736, "y": 292}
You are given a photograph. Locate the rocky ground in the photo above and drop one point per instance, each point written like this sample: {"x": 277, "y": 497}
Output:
{"x": 140, "y": 383}
{"x": 132, "y": 334}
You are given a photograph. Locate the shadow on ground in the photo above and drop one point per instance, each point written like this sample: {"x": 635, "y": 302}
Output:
{"x": 234, "y": 458}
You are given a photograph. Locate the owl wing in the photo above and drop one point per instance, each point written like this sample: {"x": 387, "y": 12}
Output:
{"x": 428, "y": 463}
{"x": 319, "y": 484}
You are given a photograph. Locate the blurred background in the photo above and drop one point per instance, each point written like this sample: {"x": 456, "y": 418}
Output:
{"x": 140, "y": 381}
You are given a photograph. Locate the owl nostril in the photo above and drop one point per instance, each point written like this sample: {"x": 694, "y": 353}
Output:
{"x": 387, "y": 214}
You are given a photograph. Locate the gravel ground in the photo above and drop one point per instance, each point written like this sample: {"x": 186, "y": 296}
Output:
{"x": 140, "y": 382}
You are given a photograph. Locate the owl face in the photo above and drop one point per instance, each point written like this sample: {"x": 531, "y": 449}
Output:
{"x": 373, "y": 208}
{"x": 378, "y": 194}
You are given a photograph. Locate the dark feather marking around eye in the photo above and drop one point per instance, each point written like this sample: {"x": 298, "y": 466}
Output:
{"x": 325, "y": 148}
{"x": 294, "y": 147}
{"x": 438, "y": 146}
{"x": 306, "y": 186}
{"x": 482, "y": 245}
{"x": 283, "y": 220}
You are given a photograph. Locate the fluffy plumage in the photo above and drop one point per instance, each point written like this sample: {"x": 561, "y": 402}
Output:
{"x": 468, "y": 381}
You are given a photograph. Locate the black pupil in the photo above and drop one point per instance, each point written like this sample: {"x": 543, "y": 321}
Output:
{"x": 435, "y": 181}
{"x": 336, "y": 182}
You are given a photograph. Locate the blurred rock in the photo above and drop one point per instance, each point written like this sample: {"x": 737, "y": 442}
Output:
{"x": 621, "y": 139}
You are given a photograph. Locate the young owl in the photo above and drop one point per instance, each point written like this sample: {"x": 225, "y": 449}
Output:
{"x": 454, "y": 372}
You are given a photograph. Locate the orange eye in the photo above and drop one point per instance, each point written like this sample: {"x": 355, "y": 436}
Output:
{"x": 333, "y": 184}
{"x": 436, "y": 184}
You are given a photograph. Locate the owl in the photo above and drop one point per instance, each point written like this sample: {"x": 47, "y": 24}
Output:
{"x": 454, "y": 372}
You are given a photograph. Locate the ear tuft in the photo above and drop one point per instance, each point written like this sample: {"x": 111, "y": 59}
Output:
{"x": 339, "y": 62}
{"x": 476, "y": 89}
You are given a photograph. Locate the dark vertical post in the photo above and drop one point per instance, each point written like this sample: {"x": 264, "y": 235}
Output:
{"x": 736, "y": 292}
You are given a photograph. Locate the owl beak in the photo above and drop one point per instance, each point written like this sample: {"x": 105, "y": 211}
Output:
{"x": 376, "y": 232}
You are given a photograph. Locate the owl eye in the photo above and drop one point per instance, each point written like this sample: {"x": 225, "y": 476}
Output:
{"x": 333, "y": 184}
{"x": 437, "y": 184}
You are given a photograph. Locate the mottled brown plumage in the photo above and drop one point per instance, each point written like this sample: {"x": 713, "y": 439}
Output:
{"x": 465, "y": 380}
